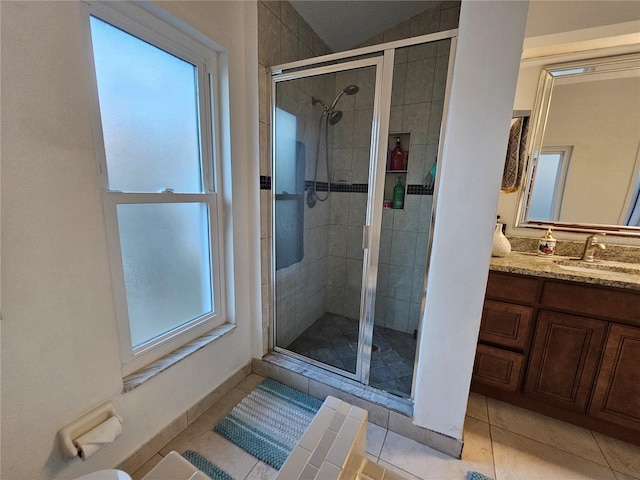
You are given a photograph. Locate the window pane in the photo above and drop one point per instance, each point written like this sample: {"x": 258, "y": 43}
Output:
{"x": 149, "y": 111}
{"x": 166, "y": 263}
{"x": 543, "y": 195}
{"x": 288, "y": 169}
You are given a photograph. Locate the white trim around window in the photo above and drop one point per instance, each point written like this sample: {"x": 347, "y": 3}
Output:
{"x": 191, "y": 48}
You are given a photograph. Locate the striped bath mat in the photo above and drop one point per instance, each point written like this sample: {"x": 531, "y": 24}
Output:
{"x": 269, "y": 421}
{"x": 209, "y": 469}
{"x": 476, "y": 476}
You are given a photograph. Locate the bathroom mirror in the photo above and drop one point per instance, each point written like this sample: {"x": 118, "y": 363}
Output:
{"x": 584, "y": 158}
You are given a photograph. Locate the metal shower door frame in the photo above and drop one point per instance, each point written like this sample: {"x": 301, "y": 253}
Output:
{"x": 373, "y": 218}
{"x": 384, "y": 53}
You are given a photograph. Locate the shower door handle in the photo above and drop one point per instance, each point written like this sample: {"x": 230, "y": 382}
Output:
{"x": 365, "y": 237}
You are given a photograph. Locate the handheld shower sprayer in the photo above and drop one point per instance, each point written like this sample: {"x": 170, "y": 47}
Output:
{"x": 349, "y": 90}
{"x": 329, "y": 116}
{"x": 333, "y": 115}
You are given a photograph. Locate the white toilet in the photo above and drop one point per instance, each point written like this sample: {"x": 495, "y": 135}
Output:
{"x": 110, "y": 474}
{"x": 173, "y": 466}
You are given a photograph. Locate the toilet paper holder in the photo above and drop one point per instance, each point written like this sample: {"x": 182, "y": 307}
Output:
{"x": 82, "y": 425}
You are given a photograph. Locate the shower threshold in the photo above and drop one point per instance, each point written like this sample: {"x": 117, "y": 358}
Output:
{"x": 288, "y": 368}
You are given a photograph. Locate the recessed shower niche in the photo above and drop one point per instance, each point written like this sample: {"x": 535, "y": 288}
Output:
{"x": 349, "y": 274}
{"x": 396, "y": 168}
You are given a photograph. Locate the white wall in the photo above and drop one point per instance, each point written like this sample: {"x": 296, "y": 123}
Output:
{"x": 548, "y": 17}
{"x": 60, "y": 353}
{"x": 601, "y": 120}
{"x": 476, "y": 131}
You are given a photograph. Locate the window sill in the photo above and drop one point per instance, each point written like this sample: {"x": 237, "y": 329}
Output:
{"x": 138, "y": 378}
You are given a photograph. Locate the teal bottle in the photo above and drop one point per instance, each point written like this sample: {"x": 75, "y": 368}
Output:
{"x": 398, "y": 194}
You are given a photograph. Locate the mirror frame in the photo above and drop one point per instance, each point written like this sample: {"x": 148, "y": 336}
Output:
{"x": 538, "y": 124}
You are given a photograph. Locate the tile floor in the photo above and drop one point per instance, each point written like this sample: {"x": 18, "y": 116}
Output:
{"x": 501, "y": 441}
{"x": 333, "y": 339}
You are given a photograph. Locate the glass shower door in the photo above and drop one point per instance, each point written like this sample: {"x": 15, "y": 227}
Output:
{"x": 419, "y": 88}
{"x": 322, "y": 148}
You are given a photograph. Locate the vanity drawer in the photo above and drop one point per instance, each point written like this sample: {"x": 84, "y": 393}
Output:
{"x": 593, "y": 301}
{"x": 505, "y": 325}
{"x": 512, "y": 288}
{"x": 497, "y": 368}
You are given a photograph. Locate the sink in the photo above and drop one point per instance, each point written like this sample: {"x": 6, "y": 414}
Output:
{"x": 614, "y": 270}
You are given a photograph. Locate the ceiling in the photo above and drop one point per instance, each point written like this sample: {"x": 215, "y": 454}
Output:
{"x": 344, "y": 24}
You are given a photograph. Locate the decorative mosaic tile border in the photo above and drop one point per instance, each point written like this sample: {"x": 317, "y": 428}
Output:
{"x": 265, "y": 182}
{"x": 412, "y": 189}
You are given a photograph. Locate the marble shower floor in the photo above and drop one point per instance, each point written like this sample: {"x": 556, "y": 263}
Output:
{"x": 333, "y": 339}
{"x": 501, "y": 441}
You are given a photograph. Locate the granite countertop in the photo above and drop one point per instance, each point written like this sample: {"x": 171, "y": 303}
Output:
{"x": 549, "y": 267}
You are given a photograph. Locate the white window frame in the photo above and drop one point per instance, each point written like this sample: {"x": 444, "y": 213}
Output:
{"x": 149, "y": 27}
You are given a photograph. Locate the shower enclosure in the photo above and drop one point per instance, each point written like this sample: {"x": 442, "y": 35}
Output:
{"x": 349, "y": 275}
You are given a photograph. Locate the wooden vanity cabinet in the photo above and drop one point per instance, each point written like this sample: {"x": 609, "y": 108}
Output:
{"x": 564, "y": 349}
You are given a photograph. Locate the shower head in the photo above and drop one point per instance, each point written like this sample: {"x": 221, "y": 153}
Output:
{"x": 334, "y": 117}
{"x": 349, "y": 90}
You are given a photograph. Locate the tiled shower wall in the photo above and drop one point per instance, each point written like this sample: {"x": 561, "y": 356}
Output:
{"x": 301, "y": 287}
{"x": 350, "y": 160}
{"x": 284, "y": 36}
{"x": 417, "y": 102}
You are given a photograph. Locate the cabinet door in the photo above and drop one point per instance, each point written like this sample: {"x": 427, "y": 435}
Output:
{"x": 564, "y": 357}
{"x": 616, "y": 396}
{"x": 505, "y": 325}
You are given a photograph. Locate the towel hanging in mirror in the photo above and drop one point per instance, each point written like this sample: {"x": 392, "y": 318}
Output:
{"x": 516, "y": 160}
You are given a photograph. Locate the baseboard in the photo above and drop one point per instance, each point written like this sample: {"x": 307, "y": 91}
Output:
{"x": 176, "y": 426}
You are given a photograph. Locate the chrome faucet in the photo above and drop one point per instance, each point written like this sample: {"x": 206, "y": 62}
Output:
{"x": 590, "y": 246}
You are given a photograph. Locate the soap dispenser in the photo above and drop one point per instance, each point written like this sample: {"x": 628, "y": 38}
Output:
{"x": 501, "y": 245}
{"x": 397, "y": 156}
{"x": 547, "y": 244}
{"x": 398, "y": 194}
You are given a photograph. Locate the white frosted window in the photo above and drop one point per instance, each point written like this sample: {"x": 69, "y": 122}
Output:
{"x": 286, "y": 133}
{"x": 165, "y": 258}
{"x": 548, "y": 186}
{"x": 149, "y": 112}
{"x": 155, "y": 101}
